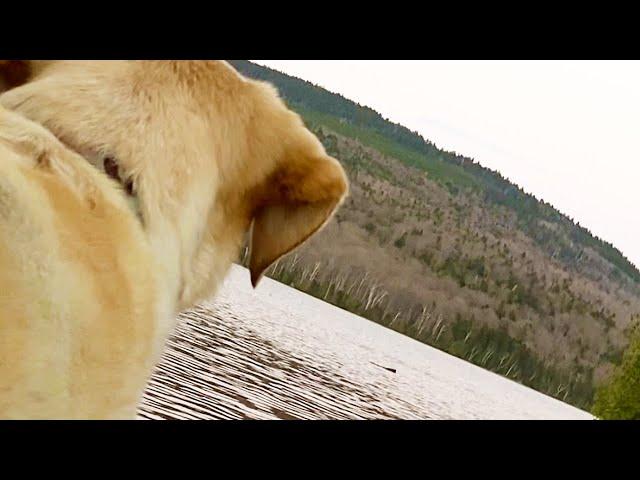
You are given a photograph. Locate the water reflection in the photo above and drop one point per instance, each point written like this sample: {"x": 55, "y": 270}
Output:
{"x": 275, "y": 353}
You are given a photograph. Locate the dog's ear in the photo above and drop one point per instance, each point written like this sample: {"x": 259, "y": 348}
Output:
{"x": 295, "y": 203}
{"x": 14, "y": 73}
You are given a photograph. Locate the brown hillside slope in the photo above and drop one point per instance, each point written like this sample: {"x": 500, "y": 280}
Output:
{"x": 456, "y": 272}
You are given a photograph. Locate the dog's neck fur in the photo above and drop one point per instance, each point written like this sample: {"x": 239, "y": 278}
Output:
{"x": 174, "y": 235}
{"x": 171, "y": 219}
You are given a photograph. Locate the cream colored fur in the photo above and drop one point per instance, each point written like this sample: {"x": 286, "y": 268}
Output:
{"x": 91, "y": 281}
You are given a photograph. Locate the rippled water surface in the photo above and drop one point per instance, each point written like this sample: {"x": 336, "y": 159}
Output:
{"x": 276, "y": 353}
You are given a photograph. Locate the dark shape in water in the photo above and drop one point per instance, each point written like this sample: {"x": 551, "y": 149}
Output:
{"x": 392, "y": 370}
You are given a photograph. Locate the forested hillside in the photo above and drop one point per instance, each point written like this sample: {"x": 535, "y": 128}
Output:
{"x": 434, "y": 245}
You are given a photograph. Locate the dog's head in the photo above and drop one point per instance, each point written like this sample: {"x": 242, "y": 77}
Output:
{"x": 208, "y": 154}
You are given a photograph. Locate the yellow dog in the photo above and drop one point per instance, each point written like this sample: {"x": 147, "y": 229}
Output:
{"x": 127, "y": 189}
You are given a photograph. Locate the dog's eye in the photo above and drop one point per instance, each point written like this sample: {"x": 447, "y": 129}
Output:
{"x": 111, "y": 168}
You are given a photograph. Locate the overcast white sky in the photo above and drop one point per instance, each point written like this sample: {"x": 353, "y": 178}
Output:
{"x": 566, "y": 131}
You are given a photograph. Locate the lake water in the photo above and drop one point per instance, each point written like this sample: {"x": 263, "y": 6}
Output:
{"x": 277, "y": 353}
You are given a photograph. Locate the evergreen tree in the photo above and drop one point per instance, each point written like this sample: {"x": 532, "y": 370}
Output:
{"x": 619, "y": 399}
